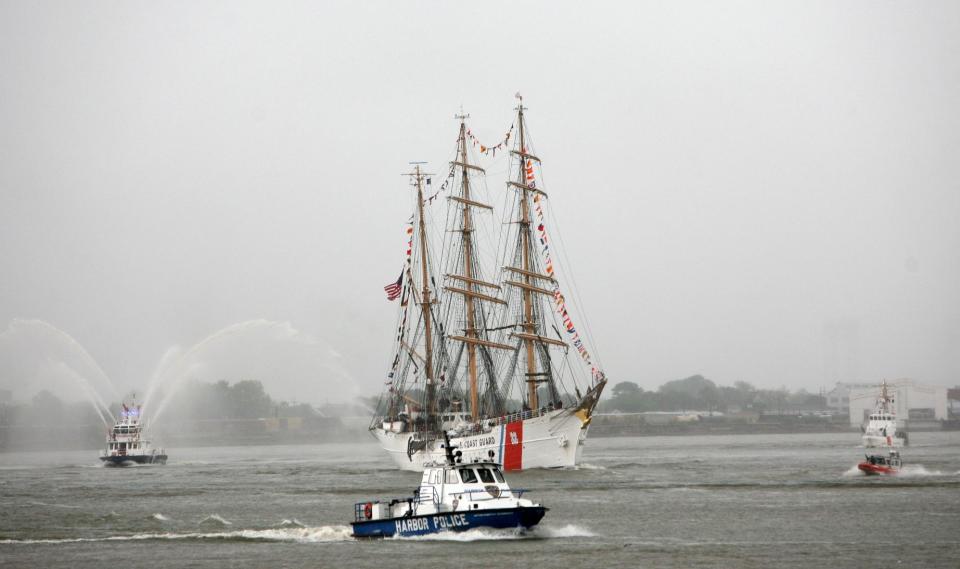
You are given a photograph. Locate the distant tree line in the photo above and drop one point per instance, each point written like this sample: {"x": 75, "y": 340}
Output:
{"x": 244, "y": 399}
{"x": 697, "y": 393}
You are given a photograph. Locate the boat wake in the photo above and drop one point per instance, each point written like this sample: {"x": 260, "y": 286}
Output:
{"x": 568, "y": 530}
{"x": 853, "y": 472}
{"x": 490, "y": 534}
{"x": 918, "y": 471}
{"x": 293, "y": 535}
{"x": 907, "y": 471}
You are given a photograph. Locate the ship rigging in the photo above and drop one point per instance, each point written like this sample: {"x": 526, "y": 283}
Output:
{"x": 481, "y": 356}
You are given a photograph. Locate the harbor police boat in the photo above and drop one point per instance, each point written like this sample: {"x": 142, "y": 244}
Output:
{"x": 126, "y": 443}
{"x": 455, "y": 496}
{"x": 879, "y": 464}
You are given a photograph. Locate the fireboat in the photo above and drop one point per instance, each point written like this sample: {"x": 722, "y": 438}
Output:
{"x": 126, "y": 444}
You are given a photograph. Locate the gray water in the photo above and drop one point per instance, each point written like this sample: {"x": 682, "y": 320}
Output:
{"x": 737, "y": 501}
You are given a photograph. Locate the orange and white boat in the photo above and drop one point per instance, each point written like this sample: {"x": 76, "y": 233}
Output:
{"x": 875, "y": 464}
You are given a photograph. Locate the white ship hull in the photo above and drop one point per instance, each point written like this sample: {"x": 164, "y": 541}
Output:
{"x": 554, "y": 439}
{"x": 884, "y": 434}
{"x": 879, "y": 441}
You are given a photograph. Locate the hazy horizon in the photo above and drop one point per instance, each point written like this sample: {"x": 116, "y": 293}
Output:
{"x": 768, "y": 193}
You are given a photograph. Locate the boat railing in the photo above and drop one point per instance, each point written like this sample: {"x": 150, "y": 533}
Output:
{"x": 423, "y": 497}
{"x": 516, "y": 493}
{"x": 484, "y": 424}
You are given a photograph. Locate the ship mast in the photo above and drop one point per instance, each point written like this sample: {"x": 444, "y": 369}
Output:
{"x": 527, "y": 295}
{"x": 467, "y": 230}
{"x": 470, "y": 281}
{"x": 426, "y": 301}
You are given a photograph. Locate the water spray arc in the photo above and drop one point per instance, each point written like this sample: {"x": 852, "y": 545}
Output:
{"x": 63, "y": 362}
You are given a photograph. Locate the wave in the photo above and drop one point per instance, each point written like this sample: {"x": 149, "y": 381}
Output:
{"x": 160, "y": 517}
{"x": 294, "y": 523}
{"x": 44, "y": 504}
{"x": 294, "y": 535}
{"x": 215, "y": 519}
{"x": 587, "y": 466}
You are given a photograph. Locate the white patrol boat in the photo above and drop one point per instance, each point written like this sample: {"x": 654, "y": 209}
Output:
{"x": 125, "y": 442}
{"x": 883, "y": 430}
{"x": 455, "y": 496}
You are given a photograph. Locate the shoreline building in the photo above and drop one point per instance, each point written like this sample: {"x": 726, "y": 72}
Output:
{"x": 913, "y": 401}
{"x": 838, "y": 398}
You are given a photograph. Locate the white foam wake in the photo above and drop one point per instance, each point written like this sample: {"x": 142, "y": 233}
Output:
{"x": 907, "y": 471}
{"x": 160, "y": 517}
{"x": 853, "y": 472}
{"x": 489, "y": 534}
{"x": 478, "y": 534}
{"x": 917, "y": 471}
{"x": 294, "y": 535}
{"x": 568, "y": 530}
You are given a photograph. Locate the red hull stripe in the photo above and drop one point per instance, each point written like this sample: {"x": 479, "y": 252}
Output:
{"x": 875, "y": 469}
{"x": 513, "y": 446}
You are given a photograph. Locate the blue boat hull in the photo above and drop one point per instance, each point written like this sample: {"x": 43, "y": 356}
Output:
{"x": 507, "y": 518}
{"x": 138, "y": 459}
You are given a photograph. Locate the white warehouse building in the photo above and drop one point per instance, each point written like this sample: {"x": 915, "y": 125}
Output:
{"x": 911, "y": 400}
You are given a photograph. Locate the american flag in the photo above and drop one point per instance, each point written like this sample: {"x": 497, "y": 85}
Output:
{"x": 393, "y": 289}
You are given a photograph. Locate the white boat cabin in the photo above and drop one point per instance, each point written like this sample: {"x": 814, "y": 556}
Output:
{"x": 126, "y": 436}
{"x": 450, "y": 489}
{"x": 883, "y": 430}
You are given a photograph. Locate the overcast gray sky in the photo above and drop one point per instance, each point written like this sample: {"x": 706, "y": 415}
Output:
{"x": 759, "y": 191}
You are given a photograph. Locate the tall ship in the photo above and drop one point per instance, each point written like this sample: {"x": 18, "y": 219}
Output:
{"x": 883, "y": 429}
{"x": 126, "y": 442}
{"x": 487, "y": 350}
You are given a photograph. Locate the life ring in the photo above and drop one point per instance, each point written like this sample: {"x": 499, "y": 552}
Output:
{"x": 368, "y": 510}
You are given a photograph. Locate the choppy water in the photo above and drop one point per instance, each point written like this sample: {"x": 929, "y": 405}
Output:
{"x": 739, "y": 501}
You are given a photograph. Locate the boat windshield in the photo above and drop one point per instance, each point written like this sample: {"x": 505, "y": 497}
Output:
{"x": 485, "y": 475}
{"x": 468, "y": 475}
{"x": 499, "y": 475}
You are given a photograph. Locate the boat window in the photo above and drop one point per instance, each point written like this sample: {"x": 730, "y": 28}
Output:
{"x": 468, "y": 476}
{"x": 498, "y": 474}
{"x": 485, "y": 475}
{"x": 435, "y": 477}
{"x": 452, "y": 477}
